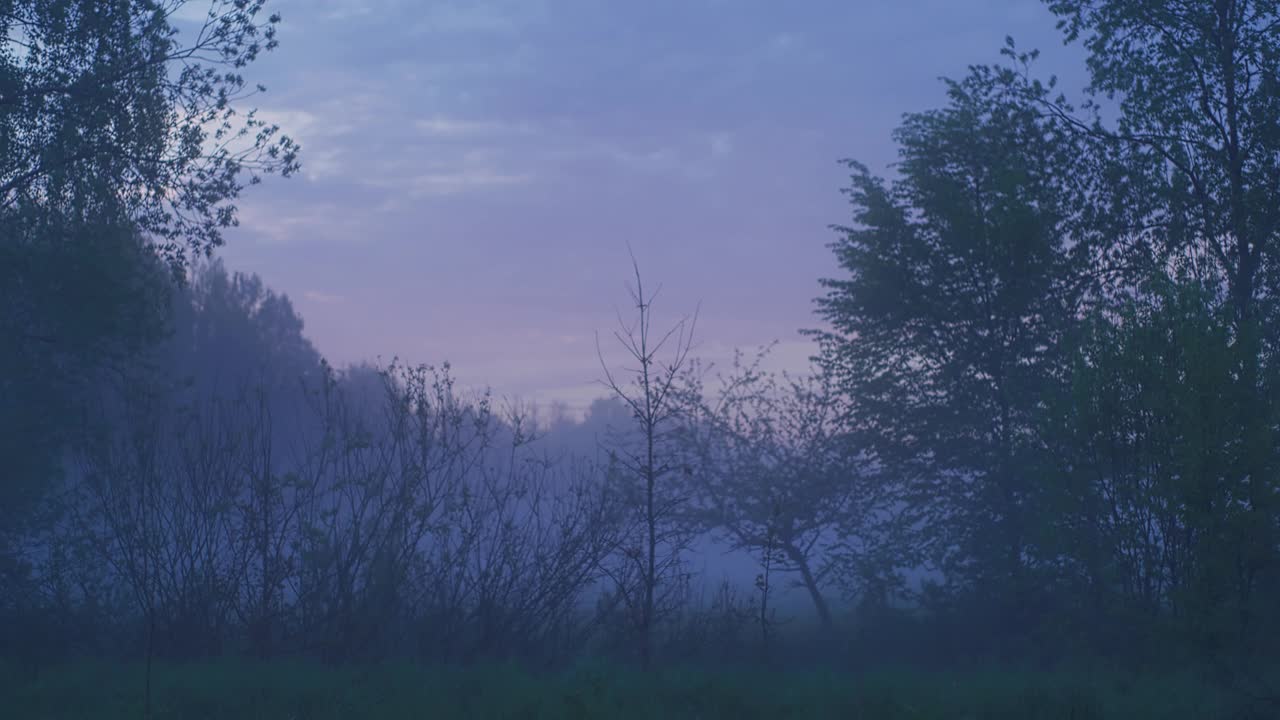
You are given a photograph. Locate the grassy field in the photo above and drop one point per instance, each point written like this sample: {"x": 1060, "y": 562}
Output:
{"x": 304, "y": 691}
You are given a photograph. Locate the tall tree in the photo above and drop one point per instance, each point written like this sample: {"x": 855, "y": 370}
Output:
{"x": 122, "y": 140}
{"x": 1197, "y": 133}
{"x": 961, "y": 277}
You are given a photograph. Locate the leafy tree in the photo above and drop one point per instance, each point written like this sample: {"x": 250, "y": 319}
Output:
{"x": 121, "y": 141}
{"x": 1151, "y": 513}
{"x": 111, "y": 112}
{"x": 71, "y": 317}
{"x": 961, "y": 279}
{"x": 1198, "y": 125}
{"x": 231, "y": 331}
{"x": 1195, "y": 146}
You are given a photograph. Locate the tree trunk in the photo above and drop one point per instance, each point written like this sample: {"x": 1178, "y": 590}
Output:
{"x": 811, "y": 584}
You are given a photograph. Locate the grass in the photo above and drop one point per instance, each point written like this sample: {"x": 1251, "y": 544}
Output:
{"x": 306, "y": 691}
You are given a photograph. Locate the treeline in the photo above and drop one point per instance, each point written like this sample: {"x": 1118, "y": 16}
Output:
{"x": 230, "y": 493}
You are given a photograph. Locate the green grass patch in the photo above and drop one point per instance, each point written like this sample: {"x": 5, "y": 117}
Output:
{"x": 287, "y": 690}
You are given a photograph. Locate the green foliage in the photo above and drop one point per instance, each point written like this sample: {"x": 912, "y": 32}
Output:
{"x": 1158, "y": 503}
{"x": 121, "y": 143}
{"x": 962, "y": 277}
{"x": 77, "y": 303}
{"x": 1198, "y": 129}
{"x": 1059, "y": 333}
{"x": 111, "y": 113}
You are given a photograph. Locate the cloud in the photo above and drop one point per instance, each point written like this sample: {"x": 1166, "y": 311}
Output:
{"x": 440, "y": 126}
{"x": 303, "y": 221}
{"x": 451, "y": 170}
{"x": 686, "y": 158}
{"x": 783, "y": 43}
{"x": 273, "y": 227}
{"x": 339, "y": 118}
{"x": 318, "y": 133}
{"x": 316, "y": 296}
{"x": 721, "y": 143}
{"x": 343, "y": 10}
{"x": 321, "y": 163}
{"x": 477, "y": 178}
{"x": 657, "y": 160}
{"x": 466, "y": 18}
{"x": 294, "y": 122}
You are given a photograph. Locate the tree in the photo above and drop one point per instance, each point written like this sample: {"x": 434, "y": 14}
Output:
{"x": 962, "y": 277}
{"x": 71, "y": 317}
{"x": 122, "y": 140}
{"x": 111, "y": 113}
{"x": 1195, "y": 148}
{"x": 1198, "y": 127}
{"x": 772, "y": 468}
{"x": 229, "y": 331}
{"x": 652, "y": 555}
{"x": 1152, "y": 526}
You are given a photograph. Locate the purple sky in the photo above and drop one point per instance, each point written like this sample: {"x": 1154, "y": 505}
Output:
{"x": 473, "y": 171}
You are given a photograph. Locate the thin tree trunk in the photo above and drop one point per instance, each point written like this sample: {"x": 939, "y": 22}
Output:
{"x": 151, "y": 635}
{"x": 811, "y": 584}
{"x": 646, "y": 651}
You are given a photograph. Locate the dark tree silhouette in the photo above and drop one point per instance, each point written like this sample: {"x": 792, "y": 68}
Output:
{"x": 650, "y": 391}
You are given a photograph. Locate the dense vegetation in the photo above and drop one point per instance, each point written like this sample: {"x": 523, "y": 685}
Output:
{"x": 1039, "y": 435}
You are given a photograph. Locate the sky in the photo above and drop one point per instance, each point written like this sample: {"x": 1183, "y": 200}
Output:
{"x": 475, "y": 172}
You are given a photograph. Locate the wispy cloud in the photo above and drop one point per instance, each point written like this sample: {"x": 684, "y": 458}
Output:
{"x": 322, "y": 298}
{"x": 316, "y": 220}
{"x": 478, "y": 178}
{"x": 783, "y": 43}
{"x": 441, "y": 126}
{"x": 690, "y": 158}
{"x": 468, "y": 17}
{"x": 319, "y": 132}
{"x": 721, "y": 143}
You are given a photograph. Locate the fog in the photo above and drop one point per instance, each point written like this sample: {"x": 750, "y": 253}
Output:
{"x": 522, "y": 360}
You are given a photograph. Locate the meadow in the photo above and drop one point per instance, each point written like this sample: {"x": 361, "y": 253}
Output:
{"x": 303, "y": 690}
